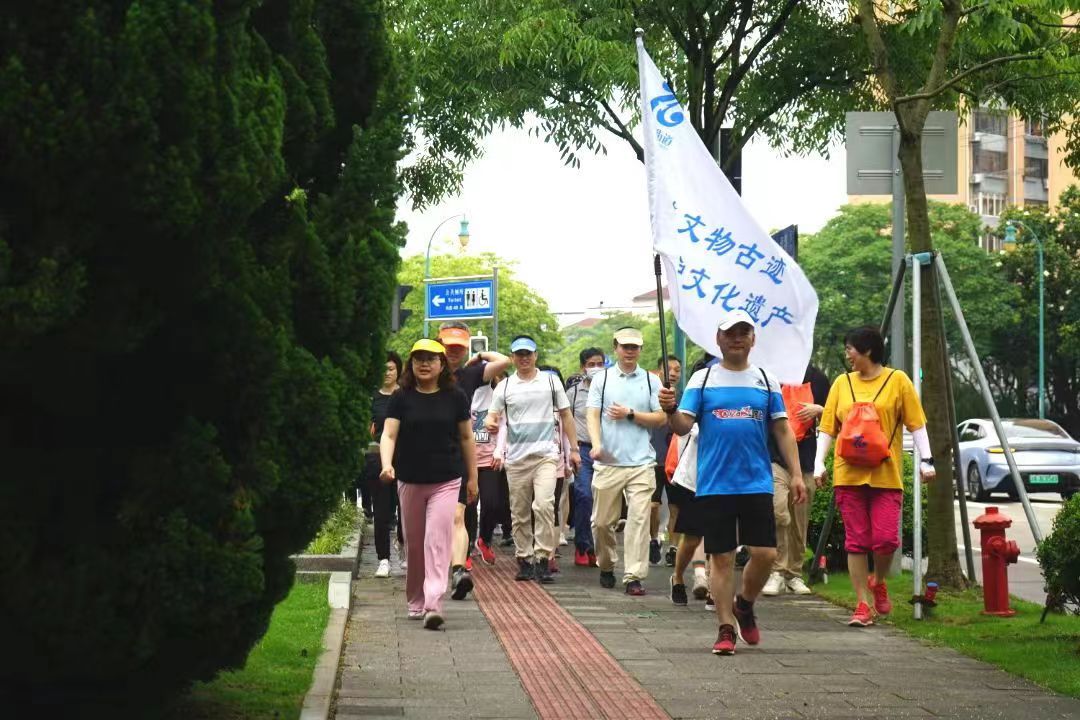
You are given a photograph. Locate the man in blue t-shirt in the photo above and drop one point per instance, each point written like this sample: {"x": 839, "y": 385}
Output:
{"x": 736, "y": 406}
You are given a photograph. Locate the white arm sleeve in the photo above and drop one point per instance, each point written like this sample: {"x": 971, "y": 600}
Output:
{"x": 922, "y": 442}
{"x": 824, "y": 442}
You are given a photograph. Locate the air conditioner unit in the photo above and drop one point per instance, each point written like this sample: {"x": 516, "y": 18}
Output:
{"x": 1046, "y": 183}
{"x": 974, "y": 208}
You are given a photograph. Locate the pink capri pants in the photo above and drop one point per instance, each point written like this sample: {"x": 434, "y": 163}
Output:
{"x": 871, "y": 518}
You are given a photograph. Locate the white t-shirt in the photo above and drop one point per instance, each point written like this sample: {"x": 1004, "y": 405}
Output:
{"x": 530, "y": 407}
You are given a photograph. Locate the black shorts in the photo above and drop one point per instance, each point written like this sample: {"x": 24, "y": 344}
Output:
{"x": 689, "y": 521}
{"x": 729, "y": 521}
{"x": 463, "y": 493}
{"x": 661, "y": 483}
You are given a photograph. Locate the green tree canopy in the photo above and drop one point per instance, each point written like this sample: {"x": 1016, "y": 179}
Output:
{"x": 849, "y": 264}
{"x": 786, "y": 69}
{"x": 521, "y": 310}
{"x": 197, "y": 255}
{"x": 1016, "y": 356}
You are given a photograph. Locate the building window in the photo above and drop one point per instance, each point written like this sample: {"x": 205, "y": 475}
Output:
{"x": 1036, "y": 168}
{"x": 1035, "y": 127}
{"x": 990, "y": 161}
{"x": 988, "y": 121}
{"x": 990, "y": 204}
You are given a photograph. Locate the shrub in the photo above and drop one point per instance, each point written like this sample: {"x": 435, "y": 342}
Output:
{"x": 197, "y": 252}
{"x": 1059, "y": 556}
{"x": 341, "y": 525}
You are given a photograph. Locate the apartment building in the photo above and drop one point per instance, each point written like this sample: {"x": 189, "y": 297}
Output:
{"x": 1003, "y": 161}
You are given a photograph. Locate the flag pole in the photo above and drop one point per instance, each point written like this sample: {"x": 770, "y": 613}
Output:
{"x": 663, "y": 331}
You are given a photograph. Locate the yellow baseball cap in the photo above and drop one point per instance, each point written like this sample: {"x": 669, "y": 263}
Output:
{"x": 427, "y": 345}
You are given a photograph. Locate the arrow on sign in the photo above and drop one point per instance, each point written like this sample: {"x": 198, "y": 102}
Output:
{"x": 438, "y": 300}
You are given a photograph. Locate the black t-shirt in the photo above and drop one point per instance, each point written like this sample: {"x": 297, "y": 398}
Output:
{"x": 428, "y": 449}
{"x": 379, "y": 403}
{"x": 469, "y": 378}
{"x": 819, "y": 387}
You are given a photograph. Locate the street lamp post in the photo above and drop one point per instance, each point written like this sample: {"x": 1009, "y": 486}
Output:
{"x": 463, "y": 238}
{"x": 1010, "y": 238}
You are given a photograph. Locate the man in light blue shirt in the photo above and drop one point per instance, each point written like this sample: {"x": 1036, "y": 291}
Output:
{"x": 621, "y": 409}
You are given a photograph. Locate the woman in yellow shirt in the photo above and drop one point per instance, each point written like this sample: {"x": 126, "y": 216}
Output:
{"x": 870, "y": 498}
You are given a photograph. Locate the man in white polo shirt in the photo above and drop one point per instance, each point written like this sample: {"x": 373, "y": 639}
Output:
{"x": 531, "y": 400}
{"x": 622, "y": 408}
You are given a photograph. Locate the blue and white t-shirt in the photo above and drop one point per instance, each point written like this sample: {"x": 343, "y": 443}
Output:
{"x": 733, "y": 450}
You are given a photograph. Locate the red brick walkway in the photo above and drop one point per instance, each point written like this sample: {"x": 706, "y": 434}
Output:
{"x": 567, "y": 674}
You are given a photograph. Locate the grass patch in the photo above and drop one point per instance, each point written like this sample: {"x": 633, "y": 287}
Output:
{"x": 1048, "y": 654}
{"x": 278, "y": 671}
{"x": 336, "y": 531}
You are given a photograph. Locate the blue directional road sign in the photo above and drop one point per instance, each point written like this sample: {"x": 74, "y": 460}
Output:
{"x": 459, "y": 299}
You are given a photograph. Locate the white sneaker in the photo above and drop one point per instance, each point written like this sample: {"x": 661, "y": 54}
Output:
{"x": 775, "y": 585}
{"x": 562, "y": 539}
{"x": 797, "y": 586}
{"x": 384, "y": 569}
{"x": 701, "y": 585}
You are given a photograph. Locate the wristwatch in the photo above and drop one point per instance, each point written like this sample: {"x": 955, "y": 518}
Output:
{"x": 929, "y": 461}
{"x": 630, "y": 416}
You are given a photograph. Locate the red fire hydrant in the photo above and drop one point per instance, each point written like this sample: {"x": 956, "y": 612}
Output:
{"x": 997, "y": 554}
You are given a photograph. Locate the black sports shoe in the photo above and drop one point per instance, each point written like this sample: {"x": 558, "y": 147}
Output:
{"x": 678, "y": 592}
{"x": 607, "y": 579}
{"x": 525, "y": 570}
{"x": 669, "y": 558}
{"x": 542, "y": 569}
{"x": 742, "y": 556}
{"x": 462, "y": 584}
{"x": 654, "y": 552}
{"x": 635, "y": 588}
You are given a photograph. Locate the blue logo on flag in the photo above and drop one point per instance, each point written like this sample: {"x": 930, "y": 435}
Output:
{"x": 668, "y": 112}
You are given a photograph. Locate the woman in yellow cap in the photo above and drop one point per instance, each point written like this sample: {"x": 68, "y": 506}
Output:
{"x": 427, "y": 448}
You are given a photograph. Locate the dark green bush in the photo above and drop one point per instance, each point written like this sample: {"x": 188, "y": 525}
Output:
{"x": 197, "y": 251}
{"x": 823, "y": 498}
{"x": 1059, "y": 557}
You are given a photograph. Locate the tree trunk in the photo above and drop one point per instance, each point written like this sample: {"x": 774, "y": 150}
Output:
{"x": 944, "y": 562}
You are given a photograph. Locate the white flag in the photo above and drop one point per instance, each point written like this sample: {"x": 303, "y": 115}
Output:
{"x": 716, "y": 257}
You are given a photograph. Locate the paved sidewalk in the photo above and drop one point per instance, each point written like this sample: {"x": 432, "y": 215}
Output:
{"x": 810, "y": 665}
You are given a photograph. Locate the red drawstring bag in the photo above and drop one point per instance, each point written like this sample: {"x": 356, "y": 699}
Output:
{"x": 862, "y": 441}
{"x": 794, "y": 397}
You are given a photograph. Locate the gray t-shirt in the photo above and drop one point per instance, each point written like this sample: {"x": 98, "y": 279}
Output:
{"x": 579, "y": 396}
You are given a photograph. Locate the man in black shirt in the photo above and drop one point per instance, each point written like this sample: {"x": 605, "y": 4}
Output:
{"x": 470, "y": 373}
{"x": 792, "y": 519}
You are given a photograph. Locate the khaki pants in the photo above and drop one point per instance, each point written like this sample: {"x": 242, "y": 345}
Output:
{"x": 791, "y": 522}
{"x": 609, "y": 483}
{"x": 532, "y": 506}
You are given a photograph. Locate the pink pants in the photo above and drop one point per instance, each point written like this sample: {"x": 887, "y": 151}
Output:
{"x": 871, "y": 518}
{"x": 427, "y": 519}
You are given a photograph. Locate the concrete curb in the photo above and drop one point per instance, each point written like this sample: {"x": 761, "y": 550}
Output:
{"x": 321, "y": 693}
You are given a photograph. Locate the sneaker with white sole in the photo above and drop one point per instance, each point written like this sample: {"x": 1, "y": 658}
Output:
{"x": 797, "y": 586}
{"x": 775, "y": 585}
{"x": 383, "y": 570}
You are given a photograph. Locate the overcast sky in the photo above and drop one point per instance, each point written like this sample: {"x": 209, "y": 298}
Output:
{"x": 581, "y": 236}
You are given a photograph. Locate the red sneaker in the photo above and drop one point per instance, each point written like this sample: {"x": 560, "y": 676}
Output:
{"x": 581, "y": 558}
{"x": 486, "y": 553}
{"x": 861, "y": 618}
{"x": 744, "y": 616}
{"x": 592, "y": 559}
{"x": 468, "y": 564}
{"x": 725, "y": 641}
{"x": 882, "y": 604}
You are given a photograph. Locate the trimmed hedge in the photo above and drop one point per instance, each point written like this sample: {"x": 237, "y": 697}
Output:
{"x": 1059, "y": 557}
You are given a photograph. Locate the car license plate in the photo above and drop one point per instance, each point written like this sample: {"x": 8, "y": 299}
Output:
{"x": 1043, "y": 479}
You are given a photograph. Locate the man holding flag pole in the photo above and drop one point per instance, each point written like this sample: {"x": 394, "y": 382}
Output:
{"x": 732, "y": 289}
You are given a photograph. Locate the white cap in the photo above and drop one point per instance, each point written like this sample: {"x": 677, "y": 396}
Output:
{"x": 735, "y": 317}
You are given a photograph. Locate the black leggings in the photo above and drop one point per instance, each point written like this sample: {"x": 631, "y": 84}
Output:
{"x": 494, "y": 503}
{"x": 384, "y": 504}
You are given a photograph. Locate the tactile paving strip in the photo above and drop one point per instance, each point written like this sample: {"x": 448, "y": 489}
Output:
{"x": 566, "y": 672}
